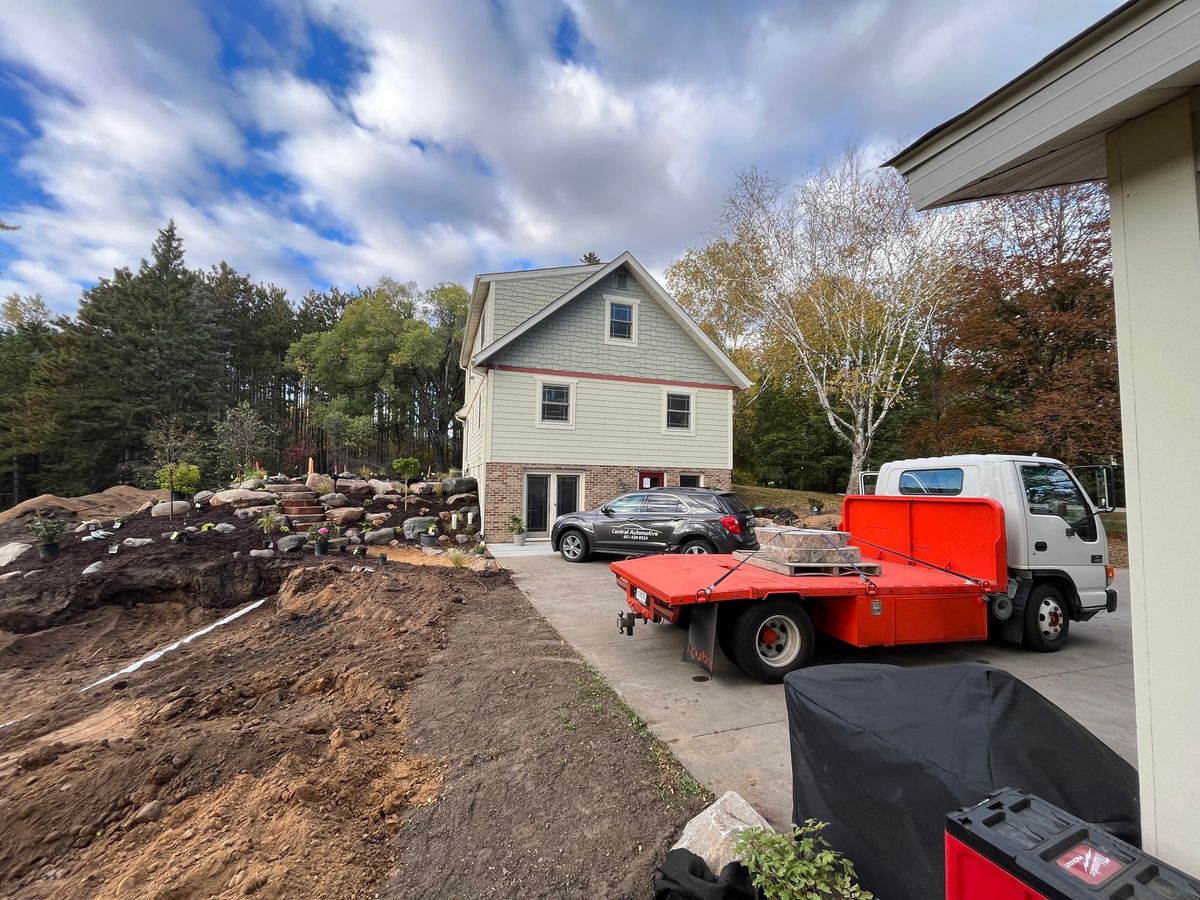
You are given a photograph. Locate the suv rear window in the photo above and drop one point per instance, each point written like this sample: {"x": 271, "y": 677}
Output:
{"x": 733, "y": 503}
{"x": 935, "y": 482}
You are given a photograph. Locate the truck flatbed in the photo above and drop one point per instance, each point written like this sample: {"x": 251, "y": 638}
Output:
{"x": 937, "y": 560}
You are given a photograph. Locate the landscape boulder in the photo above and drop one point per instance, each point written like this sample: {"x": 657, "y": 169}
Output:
{"x": 137, "y": 542}
{"x": 712, "y": 833}
{"x": 460, "y": 485}
{"x": 420, "y": 487}
{"x": 378, "y": 486}
{"x": 334, "y": 500}
{"x": 289, "y": 543}
{"x": 460, "y": 498}
{"x": 279, "y": 479}
{"x": 202, "y": 497}
{"x": 93, "y": 568}
{"x": 485, "y": 566}
{"x": 241, "y": 498}
{"x": 254, "y": 512}
{"x": 380, "y": 537}
{"x": 11, "y": 551}
{"x": 225, "y": 528}
{"x": 264, "y": 554}
{"x": 417, "y": 525}
{"x": 346, "y": 515}
{"x": 171, "y": 507}
{"x": 353, "y": 487}
{"x": 378, "y": 519}
{"x": 252, "y": 484}
{"x": 322, "y": 484}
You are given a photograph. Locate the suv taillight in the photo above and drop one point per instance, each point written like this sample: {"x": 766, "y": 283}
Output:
{"x": 732, "y": 525}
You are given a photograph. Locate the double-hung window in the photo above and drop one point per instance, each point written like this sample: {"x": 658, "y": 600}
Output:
{"x": 679, "y": 412}
{"x": 620, "y": 321}
{"x": 555, "y": 404}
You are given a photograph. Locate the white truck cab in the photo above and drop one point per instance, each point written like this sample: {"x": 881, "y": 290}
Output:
{"x": 1057, "y": 549}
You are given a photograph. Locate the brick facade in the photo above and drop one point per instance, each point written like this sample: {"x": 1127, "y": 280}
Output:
{"x": 504, "y": 487}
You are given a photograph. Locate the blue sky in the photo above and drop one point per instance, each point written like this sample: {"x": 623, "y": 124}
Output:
{"x": 335, "y": 141}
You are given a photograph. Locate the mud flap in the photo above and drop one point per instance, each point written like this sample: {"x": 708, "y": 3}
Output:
{"x": 702, "y": 636}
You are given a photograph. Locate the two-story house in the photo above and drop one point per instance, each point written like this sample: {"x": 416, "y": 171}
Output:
{"x": 584, "y": 382}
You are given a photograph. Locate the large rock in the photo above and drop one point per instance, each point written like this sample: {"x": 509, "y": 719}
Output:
{"x": 347, "y": 515}
{"x": 255, "y": 512}
{"x": 240, "y": 498}
{"x": 460, "y": 485}
{"x": 377, "y": 519}
{"x": 9, "y": 552}
{"x": 418, "y": 525}
{"x": 711, "y": 834}
{"x": 802, "y": 539}
{"x": 354, "y": 487}
{"x": 202, "y": 497}
{"x": 334, "y": 500}
{"x": 137, "y": 542}
{"x": 290, "y": 542}
{"x": 378, "y": 486}
{"x": 421, "y": 487}
{"x": 253, "y": 484}
{"x": 461, "y": 498}
{"x": 380, "y": 537}
{"x": 93, "y": 568}
{"x": 171, "y": 508}
{"x": 225, "y": 528}
{"x": 322, "y": 484}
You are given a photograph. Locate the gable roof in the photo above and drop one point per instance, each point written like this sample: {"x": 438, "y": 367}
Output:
{"x": 479, "y": 291}
{"x": 1047, "y": 126}
{"x": 651, "y": 286}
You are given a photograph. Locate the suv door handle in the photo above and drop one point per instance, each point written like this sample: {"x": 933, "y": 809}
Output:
{"x": 1040, "y": 546}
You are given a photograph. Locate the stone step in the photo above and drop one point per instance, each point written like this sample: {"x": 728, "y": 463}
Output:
{"x": 302, "y": 506}
{"x": 302, "y": 489}
{"x": 297, "y": 496}
{"x": 310, "y": 519}
{"x": 802, "y": 538}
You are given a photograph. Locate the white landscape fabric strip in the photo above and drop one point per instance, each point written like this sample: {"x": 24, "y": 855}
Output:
{"x": 158, "y": 654}
{"x": 15, "y": 721}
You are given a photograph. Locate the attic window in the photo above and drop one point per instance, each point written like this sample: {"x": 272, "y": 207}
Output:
{"x": 620, "y": 321}
{"x": 622, "y": 280}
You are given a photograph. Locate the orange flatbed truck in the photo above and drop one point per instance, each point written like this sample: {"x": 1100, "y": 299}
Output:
{"x": 938, "y": 563}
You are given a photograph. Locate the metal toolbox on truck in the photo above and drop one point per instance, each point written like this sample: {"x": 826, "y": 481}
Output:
{"x": 1015, "y": 846}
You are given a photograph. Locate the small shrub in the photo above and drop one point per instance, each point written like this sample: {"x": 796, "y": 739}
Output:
{"x": 480, "y": 548}
{"x": 516, "y": 525}
{"x": 324, "y": 485}
{"x": 47, "y": 531}
{"x": 816, "y": 504}
{"x": 270, "y": 523}
{"x": 744, "y": 476}
{"x": 438, "y": 489}
{"x": 251, "y": 473}
{"x": 321, "y": 532}
{"x": 181, "y": 477}
{"x": 457, "y": 558}
{"x": 365, "y": 473}
{"x": 797, "y": 866}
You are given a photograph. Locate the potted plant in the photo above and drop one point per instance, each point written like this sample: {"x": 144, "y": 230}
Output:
{"x": 319, "y": 534}
{"x": 815, "y": 505}
{"x": 516, "y": 527}
{"x": 47, "y": 532}
{"x": 429, "y": 538}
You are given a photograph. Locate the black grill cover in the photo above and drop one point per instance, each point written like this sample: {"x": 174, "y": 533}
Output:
{"x": 883, "y": 753}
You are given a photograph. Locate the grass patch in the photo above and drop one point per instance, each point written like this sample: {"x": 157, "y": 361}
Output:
{"x": 1114, "y": 523}
{"x": 755, "y": 495}
{"x": 675, "y": 782}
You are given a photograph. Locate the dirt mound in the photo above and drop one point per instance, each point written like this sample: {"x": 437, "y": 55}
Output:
{"x": 121, "y": 500}
{"x": 211, "y": 772}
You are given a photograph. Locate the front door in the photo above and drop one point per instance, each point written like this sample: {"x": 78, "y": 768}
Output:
{"x": 648, "y": 480}
{"x": 549, "y": 495}
{"x": 1063, "y": 532}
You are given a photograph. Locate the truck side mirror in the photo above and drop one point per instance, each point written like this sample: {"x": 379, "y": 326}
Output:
{"x": 1100, "y": 483}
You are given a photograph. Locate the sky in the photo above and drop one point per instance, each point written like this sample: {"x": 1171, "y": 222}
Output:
{"x": 311, "y": 143}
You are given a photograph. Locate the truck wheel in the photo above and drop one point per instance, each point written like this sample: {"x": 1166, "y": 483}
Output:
{"x": 772, "y": 638}
{"x": 1046, "y": 619}
{"x": 572, "y": 546}
{"x": 727, "y": 616}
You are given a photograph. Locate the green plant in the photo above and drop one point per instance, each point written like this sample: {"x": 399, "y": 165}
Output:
{"x": 405, "y": 467}
{"x": 271, "y": 523}
{"x": 207, "y": 526}
{"x": 797, "y": 866}
{"x": 47, "y": 531}
{"x": 365, "y": 473}
{"x": 252, "y": 472}
{"x": 454, "y": 473}
{"x": 480, "y": 548}
{"x": 181, "y": 477}
{"x": 438, "y": 489}
{"x": 516, "y": 525}
{"x": 457, "y": 558}
{"x": 323, "y": 485}
{"x": 432, "y": 529}
{"x": 744, "y": 476}
{"x": 321, "y": 532}
{"x": 470, "y": 528}
{"x": 816, "y": 504}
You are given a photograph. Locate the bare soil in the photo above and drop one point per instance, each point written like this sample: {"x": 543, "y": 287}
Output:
{"x": 407, "y": 732}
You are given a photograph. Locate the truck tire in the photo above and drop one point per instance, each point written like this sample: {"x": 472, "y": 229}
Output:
{"x": 771, "y": 638}
{"x": 1047, "y": 619}
{"x": 573, "y": 546}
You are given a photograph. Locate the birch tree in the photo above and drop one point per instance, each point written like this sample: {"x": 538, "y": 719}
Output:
{"x": 840, "y": 279}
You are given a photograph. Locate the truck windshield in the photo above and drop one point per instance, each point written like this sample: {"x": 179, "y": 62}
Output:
{"x": 1051, "y": 491}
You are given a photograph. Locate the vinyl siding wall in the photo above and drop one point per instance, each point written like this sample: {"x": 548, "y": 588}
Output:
{"x": 616, "y": 423}
{"x": 512, "y": 302}
{"x": 573, "y": 340}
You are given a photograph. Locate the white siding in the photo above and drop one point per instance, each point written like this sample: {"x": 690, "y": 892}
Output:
{"x": 473, "y": 428}
{"x": 616, "y": 423}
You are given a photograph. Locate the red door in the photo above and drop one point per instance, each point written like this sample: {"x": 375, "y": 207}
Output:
{"x": 649, "y": 480}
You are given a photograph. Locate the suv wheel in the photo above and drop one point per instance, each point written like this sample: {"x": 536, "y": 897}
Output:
{"x": 572, "y": 546}
{"x": 697, "y": 546}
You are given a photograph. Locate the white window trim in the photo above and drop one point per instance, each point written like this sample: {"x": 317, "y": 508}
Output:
{"x": 674, "y": 391}
{"x": 570, "y": 383}
{"x": 699, "y": 476}
{"x": 609, "y": 300}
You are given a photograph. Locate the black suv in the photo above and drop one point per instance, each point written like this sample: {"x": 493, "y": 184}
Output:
{"x": 658, "y": 520}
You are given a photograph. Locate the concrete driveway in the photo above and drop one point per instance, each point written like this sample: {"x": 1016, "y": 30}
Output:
{"x": 731, "y": 732}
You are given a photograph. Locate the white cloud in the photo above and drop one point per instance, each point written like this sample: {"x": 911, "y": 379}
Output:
{"x": 464, "y": 143}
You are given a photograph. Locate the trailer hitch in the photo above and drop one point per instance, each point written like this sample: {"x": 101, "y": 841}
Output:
{"x": 625, "y": 623}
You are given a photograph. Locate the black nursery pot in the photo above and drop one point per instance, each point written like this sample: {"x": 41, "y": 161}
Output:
{"x": 47, "y": 551}
{"x": 428, "y": 540}
{"x": 320, "y": 549}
